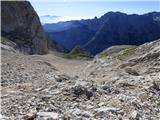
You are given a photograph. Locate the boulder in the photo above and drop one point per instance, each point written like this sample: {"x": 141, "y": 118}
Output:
{"x": 20, "y": 24}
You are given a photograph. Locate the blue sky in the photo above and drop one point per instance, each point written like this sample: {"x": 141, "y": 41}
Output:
{"x": 91, "y": 8}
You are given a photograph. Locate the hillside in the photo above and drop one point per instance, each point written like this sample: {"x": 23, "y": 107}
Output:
{"x": 122, "y": 82}
{"x": 73, "y": 36}
{"x": 40, "y": 80}
{"x": 123, "y": 29}
{"x": 113, "y": 28}
{"x": 72, "y": 33}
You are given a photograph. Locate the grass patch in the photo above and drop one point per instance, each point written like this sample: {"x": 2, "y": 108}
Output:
{"x": 127, "y": 52}
{"x": 4, "y": 40}
{"x": 116, "y": 50}
{"x": 103, "y": 55}
{"x": 78, "y": 53}
{"x": 8, "y": 42}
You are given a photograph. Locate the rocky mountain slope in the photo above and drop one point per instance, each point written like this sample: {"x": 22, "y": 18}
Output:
{"x": 123, "y": 29}
{"x": 20, "y": 24}
{"x": 122, "y": 82}
{"x": 113, "y": 28}
{"x": 73, "y": 32}
{"x": 69, "y": 38}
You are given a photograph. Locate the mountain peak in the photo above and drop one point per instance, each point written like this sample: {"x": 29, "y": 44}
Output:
{"x": 113, "y": 28}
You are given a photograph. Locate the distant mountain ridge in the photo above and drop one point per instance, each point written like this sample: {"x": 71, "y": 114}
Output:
{"x": 61, "y": 26}
{"x": 113, "y": 28}
{"x": 123, "y": 29}
{"x": 50, "y": 19}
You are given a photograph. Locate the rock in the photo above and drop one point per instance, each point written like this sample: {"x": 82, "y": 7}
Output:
{"x": 85, "y": 83}
{"x": 101, "y": 104}
{"x": 5, "y": 47}
{"x": 125, "y": 85}
{"x": 20, "y": 23}
{"x": 80, "y": 90}
{"x": 87, "y": 114}
{"x": 131, "y": 71}
{"x": 104, "y": 109}
{"x": 94, "y": 88}
{"x": 60, "y": 78}
{"x": 49, "y": 115}
{"x": 46, "y": 97}
{"x": 128, "y": 64}
{"x": 38, "y": 89}
{"x": 62, "y": 117}
{"x": 107, "y": 88}
{"x": 30, "y": 116}
{"x": 110, "y": 89}
{"x": 76, "y": 111}
{"x": 135, "y": 115}
{"x": 156, "y": 85}
{"x": 89, "y": 94}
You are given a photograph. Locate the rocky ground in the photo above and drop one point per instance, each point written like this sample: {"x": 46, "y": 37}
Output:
{"x": 122, "y": 83}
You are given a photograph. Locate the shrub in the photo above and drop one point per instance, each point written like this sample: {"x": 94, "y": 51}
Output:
{"x": 78, "y": 53}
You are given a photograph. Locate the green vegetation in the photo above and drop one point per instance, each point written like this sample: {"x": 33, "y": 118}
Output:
{"x": 103, "y": 55}
{"x": 4, "y": 40}
{"x": 119, "y": 52}
{"x": 127, "y": 52}
{"x": 113, "y": 51}
{"x": 78, "y": 53}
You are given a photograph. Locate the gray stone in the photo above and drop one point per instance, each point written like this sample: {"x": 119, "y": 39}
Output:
{"x": 81, "y": 90}
{"x": 131, "y": 71}
{"x": 48, "y": 115}
{"x": 20, "y": 23}
{"x": 104, "y": 109}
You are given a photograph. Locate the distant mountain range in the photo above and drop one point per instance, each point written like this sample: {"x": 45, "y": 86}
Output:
{"x": 113, "y": 28}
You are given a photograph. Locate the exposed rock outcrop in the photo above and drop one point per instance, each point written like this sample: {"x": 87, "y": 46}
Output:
{"x": 20, "y": 24}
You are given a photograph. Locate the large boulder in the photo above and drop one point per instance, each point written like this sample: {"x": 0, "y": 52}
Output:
{"x": 20, "y": 23}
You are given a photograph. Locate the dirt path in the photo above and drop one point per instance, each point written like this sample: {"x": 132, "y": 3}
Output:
{"x": 69, "y": 67}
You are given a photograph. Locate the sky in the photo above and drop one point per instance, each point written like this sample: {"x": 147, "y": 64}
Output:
{"x": 83, "y": 9}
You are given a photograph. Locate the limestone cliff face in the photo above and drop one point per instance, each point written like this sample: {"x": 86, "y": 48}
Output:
{"x": 20, "y": 23}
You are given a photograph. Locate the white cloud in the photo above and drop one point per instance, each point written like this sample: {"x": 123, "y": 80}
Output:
{"x": 55, "y": 19}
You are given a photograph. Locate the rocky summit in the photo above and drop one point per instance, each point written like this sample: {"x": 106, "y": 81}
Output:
{"x": 121, "y": 83}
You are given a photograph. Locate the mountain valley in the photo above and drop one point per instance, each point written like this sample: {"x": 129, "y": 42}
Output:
{"x": 41, "y": 81}
{"x": 113, "y": 28}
